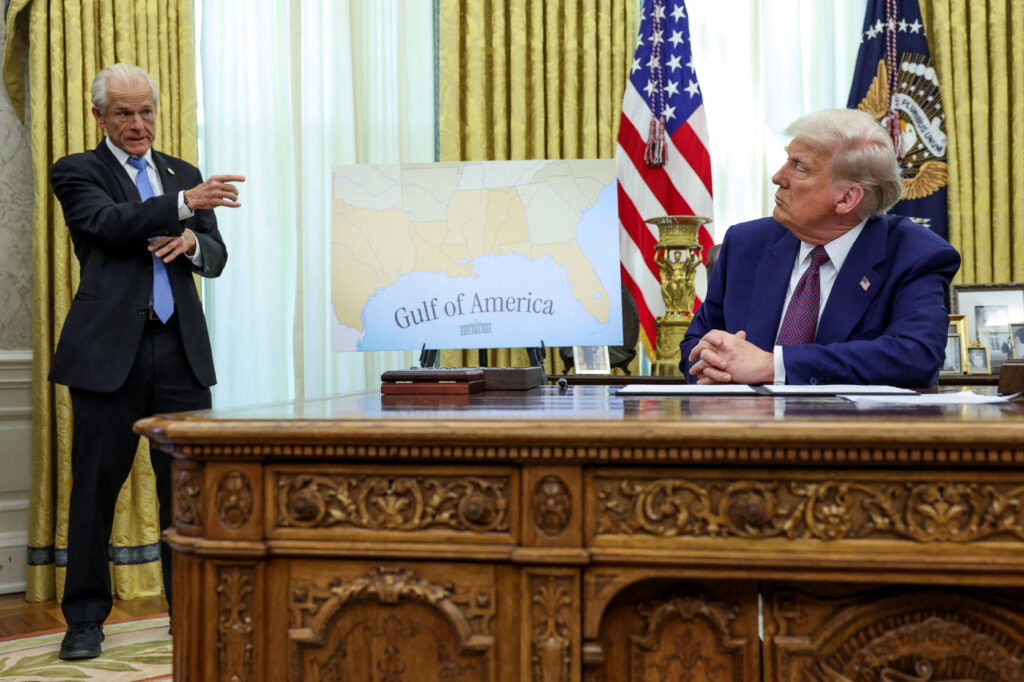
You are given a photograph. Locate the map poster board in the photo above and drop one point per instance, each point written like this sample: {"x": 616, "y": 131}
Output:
{"x": 483, "y": 254}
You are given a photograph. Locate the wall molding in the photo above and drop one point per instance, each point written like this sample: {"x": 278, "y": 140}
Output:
{"x": 14, "y": 503}
{"x": 15, "y": 378}
{"x": 12, "y": 561}
{"x": 15, "y": 460}
{"x": 15, "y": 414}
{"x": 15, "y": 365}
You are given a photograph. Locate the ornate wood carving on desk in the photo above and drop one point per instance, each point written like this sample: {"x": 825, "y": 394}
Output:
{"x": 576, "y": 535}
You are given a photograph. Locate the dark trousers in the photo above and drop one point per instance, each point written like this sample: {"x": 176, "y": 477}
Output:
{"x": 102, "y": 451}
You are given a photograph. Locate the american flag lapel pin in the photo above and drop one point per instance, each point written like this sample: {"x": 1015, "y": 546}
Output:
{"x": 864, "y": 283}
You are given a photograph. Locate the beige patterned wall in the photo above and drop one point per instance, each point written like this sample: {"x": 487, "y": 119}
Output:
{"x": 15, "y": 226}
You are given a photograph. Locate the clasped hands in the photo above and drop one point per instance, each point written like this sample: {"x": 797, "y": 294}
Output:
{"x": 724, "y": 358}
{"x": 169, "y": 248}
{"x": 216, "y": 191}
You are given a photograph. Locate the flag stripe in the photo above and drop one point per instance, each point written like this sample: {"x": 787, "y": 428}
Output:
{"x": 656, "y": 178}
{"x": 693, "y": 150}
{"x": 636, "y": 247}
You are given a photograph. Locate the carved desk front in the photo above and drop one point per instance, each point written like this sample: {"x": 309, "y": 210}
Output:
{"x": 552, "y": 536}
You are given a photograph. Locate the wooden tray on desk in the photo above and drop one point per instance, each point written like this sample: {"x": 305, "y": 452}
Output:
{"x": 432, "y": 381}
{"x": 423, "y": 401}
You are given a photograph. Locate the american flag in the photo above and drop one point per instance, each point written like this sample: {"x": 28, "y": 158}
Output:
{"x": 662, "y": 85}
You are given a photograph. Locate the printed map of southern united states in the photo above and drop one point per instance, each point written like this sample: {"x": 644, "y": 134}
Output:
{"x": 439, "y": 217}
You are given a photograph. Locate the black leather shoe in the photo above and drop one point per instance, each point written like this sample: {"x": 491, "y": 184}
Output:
{"x": 82, "y": 640}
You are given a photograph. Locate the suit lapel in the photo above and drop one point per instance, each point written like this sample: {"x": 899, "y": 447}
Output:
{"x": 856, "y": 285}
{"x": 771, "y": 278}
{"x": 167, "y": 176}
{"x": 128, "y": 188}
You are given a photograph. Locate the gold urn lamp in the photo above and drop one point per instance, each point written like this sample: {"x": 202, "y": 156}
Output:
{"x": 677, "y": 253}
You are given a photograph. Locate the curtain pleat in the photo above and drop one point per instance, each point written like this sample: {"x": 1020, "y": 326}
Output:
{"x": 978, "y": 48}
{"x": 69, "y": 41}
{"x": 523, "y": 79}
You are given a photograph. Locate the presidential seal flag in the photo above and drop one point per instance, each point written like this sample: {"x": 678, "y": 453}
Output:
{"x": 662, "y": 160}
{"x": 895, "y": 81}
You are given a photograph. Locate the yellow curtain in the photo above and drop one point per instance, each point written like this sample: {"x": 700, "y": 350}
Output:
{"x": 526, "y": 79}
{"x": 68, "y": 42}
{"x": 978, "y": 49}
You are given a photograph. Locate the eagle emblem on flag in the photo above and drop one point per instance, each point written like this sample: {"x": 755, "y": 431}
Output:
{"x": 922, "y": 129}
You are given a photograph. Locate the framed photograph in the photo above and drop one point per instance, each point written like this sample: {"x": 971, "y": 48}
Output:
{"x": 989, "y": 309}
{"x": 954, "y": 361}
{"x": 957, "y": 328}
{"x": 1017, "y": 340}
{"x": 591, "y": 360}
{"x": 958, "y": 325}
{"x": 998, "y": 343}
{"x": 977, "y": 360}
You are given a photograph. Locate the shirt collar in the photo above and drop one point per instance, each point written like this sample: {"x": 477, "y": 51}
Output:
{"x": 837, "y": 249}
{"x": 122, "y": 156}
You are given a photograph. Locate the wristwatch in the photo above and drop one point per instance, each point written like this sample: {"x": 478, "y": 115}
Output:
{"x": 184, "y": 197}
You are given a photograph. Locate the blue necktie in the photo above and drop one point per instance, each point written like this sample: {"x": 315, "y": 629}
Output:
{"x": 163, "y": 299}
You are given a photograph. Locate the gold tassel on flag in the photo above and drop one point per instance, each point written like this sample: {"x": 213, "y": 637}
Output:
{"x": 654, "y": 154}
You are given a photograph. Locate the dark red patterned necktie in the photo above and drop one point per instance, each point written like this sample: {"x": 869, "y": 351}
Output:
{"x": 801, "y": 321}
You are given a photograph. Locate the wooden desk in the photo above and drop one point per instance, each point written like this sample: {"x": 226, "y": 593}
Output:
{"x": 564, "y": 536}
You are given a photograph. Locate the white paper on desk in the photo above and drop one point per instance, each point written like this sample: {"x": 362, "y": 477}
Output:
{"x": 960, "y": 398}
{"x": 687, "y": 389}
{"x": 835, "y": 389}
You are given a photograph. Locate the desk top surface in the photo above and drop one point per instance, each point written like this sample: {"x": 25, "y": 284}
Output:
{"x": 601, "y": 403}
{"x": 596, "y": 417}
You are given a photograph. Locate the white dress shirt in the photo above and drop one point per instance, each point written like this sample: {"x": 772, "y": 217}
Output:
{"x": 837, "y": 250}
{"x": 158, "y": 187}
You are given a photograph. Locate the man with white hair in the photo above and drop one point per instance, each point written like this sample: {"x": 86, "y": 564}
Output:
{"x": 829, "y": 290}
{"x": 135, "y": 340}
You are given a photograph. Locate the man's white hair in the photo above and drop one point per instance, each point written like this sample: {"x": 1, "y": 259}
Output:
{"x": 127, "y": 74}
{"x": 861, "y": 152}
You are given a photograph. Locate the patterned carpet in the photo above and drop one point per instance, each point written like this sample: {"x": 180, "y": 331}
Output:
{"x": 133, "y": 651}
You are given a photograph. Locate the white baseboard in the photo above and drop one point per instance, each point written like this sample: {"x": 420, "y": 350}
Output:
{"x": 12, "y": 561}
{"x": 15, "y": 461}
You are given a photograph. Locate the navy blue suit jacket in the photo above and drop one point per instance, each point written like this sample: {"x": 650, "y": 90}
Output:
{"x": 893, "y": 331}
{"x": 110, "y": 227}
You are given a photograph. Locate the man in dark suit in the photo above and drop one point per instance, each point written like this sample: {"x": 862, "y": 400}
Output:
{"x": 134, "y": 341}
{"x": 828, "y": 290}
